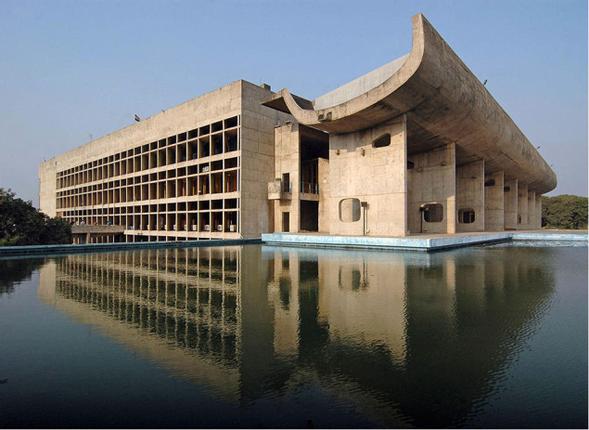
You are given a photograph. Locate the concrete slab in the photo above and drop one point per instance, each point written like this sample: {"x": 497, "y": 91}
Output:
{"x": 419, "y": 242}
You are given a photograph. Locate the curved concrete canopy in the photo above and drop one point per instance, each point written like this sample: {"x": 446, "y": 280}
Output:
{"x": 439, "y": 95}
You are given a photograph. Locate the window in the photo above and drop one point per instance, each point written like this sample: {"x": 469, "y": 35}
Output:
{"x": 410, "y": 164}
{"x": 490, "y": 183}
{"x": 466, "y": 216}
{"x": 506, "y": 189}
{"x": 349, "y": 210}
{"x": 382, "y": 141}
{"x": 432, "y": 212}
{"x": 286, "y": 183}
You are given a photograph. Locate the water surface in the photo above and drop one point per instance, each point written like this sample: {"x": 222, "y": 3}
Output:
{"x": 284, "y": 337}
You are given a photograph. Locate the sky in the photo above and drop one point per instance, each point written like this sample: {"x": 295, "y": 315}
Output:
{"x": 71, "y": 71}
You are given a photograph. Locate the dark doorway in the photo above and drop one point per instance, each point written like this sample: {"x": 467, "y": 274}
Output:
{"x": 309, "y": 215}
{"x": 285, "y": 222}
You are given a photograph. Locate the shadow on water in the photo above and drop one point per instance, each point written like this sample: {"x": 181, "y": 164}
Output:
{"x": 401, "y": 339}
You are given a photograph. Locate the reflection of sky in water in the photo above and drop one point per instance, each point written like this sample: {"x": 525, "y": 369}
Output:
{"x": 296, "y": 337}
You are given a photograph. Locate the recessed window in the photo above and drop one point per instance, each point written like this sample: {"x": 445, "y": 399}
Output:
{"x": 490, "y": 183}
{"x": 382, "y": 141}
{"x": 466, "y": 216}
{"x": 506, "y": 189}
{"x": 410, "y": 165}
{"x": 432, "y": 212}
{"x": 349, "y": 210}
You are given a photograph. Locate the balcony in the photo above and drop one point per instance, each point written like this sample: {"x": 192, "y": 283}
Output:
{"x": 279, "y": 190}
{"x": 309, "y": 188}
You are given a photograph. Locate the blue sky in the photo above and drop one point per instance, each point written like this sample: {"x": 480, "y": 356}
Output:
{"x": 70, "y": 70}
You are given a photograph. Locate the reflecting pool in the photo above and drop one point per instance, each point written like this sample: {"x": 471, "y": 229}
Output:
{"x": 284, "y": 337}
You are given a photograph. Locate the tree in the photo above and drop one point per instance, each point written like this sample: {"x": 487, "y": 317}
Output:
{"x": 565, "y": 211}
{"x": 22, "y": 224}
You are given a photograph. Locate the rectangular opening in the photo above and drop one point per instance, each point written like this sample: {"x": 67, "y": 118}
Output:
{"x": 217, "y": 126}
{"x": 309, "y": 215}
{"x": 230, "y": 222}
{"x": 217, "y": 143}
{"x": 217, "y": 183}
{"x": 231, "y": 122}
{"x": 285, "y": 222}
{"x": 204, "y": 147}
{"x": 231, "y": 181}
{"x": 286, "y": 183}
{"x": 231, "y": 140}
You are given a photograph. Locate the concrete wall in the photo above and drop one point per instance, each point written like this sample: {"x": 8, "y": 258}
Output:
{"x": 511, "y": 206}
{"x": 522, "y": 206}
{"x": 287, "y": 160}
{"x": 373, "y": 175}
{"x": 212, "y": 106}
{"x": 432, "y": 179}
{"x": 324, "y": 192}
{"x": 257, "y": 165}
{"x": 470, "y": 194}
{"x": 494, "y": 202}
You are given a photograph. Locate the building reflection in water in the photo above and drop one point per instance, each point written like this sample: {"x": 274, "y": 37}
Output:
{"x": 408, "y": 338}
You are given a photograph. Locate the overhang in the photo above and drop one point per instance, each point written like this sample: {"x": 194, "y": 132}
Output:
{"x": 441, "y": 97}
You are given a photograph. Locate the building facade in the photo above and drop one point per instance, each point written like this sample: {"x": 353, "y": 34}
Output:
{"x": 416, "y": 146}
{"x": 196, "y": 171}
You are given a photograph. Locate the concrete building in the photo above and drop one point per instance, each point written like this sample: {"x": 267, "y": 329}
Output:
{"x": 416, "y": 146}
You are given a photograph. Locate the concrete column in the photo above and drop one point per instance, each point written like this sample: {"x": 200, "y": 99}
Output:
{"x": 323, "y": 180}
{"x": 510, "y": 202}
{"x": 531, "y": 210}
{"x": 538, "y": 224}
{"x": 451, "y": 200}
{"x": 470, "y": 195}
{"x": 522, "y": 206}
{"x": 494, "y": 202}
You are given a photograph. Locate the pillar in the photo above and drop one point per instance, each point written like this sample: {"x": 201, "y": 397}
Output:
{"x": 522, "y": 206}
{"x": 510, "y": 198}
{"x": 470, "y": 196}
{"x": 494, "y": 202}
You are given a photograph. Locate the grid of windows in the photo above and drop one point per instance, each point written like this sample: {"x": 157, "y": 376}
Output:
{"x": 189, "y": 182}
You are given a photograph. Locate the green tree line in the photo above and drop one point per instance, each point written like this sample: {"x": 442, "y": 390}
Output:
{"x": 23, "y": 224}
{"x": 565, "y": 211}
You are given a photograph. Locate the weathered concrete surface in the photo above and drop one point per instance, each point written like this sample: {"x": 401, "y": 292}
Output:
{"x": 444, "y": 98}
{"x": 426, "y": 242}
{"x": 511, "y": 203}
{"x": 522, "y": 206}
{"x": 494, "y": 202}
{"x": 373, "y": 175}
{"x": 470, "y": 195}
{"x": 432, "y": 179}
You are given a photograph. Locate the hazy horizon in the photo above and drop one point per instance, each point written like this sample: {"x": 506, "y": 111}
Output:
{"x": 74, "y": 71}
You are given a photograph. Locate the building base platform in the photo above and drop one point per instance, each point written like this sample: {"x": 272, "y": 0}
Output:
{"x": 426, "y": 243}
